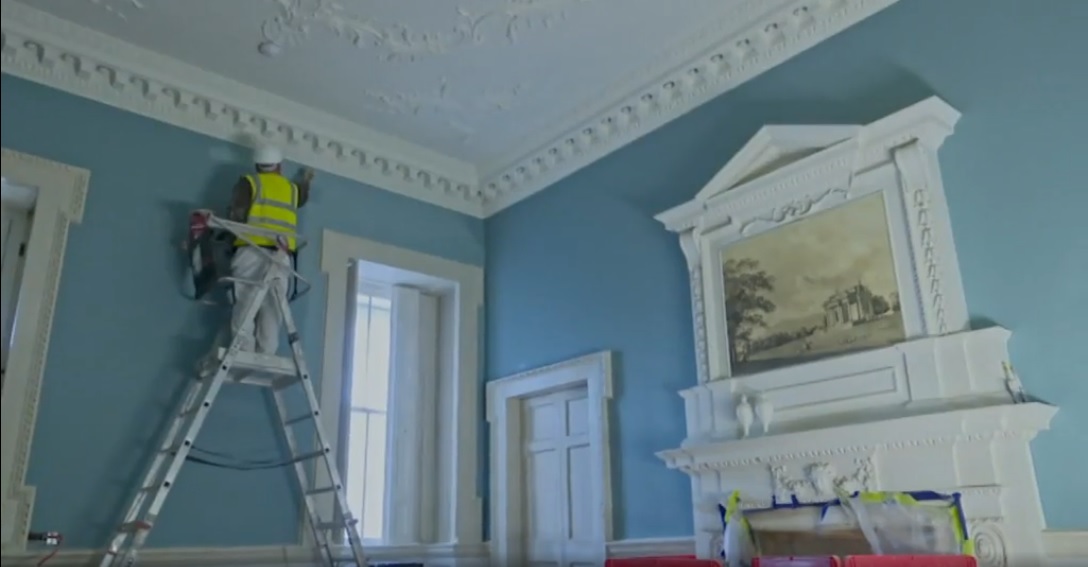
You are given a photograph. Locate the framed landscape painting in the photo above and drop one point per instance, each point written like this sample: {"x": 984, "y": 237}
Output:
{"x": 813, "y": 288}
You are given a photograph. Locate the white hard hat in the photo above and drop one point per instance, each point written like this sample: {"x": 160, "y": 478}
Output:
{"x": 267, "y": 155}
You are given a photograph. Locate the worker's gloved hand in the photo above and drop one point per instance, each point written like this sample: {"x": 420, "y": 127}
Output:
{"x": 307, "y": 174}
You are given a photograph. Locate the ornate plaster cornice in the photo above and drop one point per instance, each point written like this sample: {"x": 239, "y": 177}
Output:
{"x": 49, "y": 50}
{"x": 55, "y": 52}
{"x": 663, "y": 94}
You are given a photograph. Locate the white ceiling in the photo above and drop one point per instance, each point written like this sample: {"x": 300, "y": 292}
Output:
{"x": 480, "y": 86}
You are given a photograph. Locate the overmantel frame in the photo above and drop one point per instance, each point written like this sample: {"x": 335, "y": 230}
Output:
{"x": 786, "y": 173}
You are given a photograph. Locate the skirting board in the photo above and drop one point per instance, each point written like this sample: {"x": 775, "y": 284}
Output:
{"x": 440, "y": 555}
{"x": 293, "y": 556}
{"x": 651, "y": 547}
{"x": 1064, "y": 547}
{"x": 1067, "y": 544}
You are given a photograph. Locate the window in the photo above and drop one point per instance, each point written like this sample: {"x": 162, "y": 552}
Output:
{"x": 15, "y": 221}
{"x": 392, "y": 375}
{"x": 396, "y": 340}
{"x": 367, "y": 422}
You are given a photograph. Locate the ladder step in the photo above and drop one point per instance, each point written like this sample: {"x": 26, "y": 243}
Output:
{"x": 322, "y": 490}
{"x": 308, "y": 456}
{"x": 348, "y": 524}
{"x": 255, "y": 369}
{"x": 257, "y": 362}
{"x": 134, "y": 526}
{"x": 301, "y": 418}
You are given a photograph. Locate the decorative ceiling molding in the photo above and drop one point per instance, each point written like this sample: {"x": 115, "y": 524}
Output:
{"x": 118, "y": 7}
{"x": 458, "y": 112}
{"x": 295, "y": 19}
{"x": 796, "y": 26}
{"x": 49, "y": 50}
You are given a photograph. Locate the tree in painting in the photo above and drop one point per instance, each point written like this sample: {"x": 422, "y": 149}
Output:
{"x": 745, "y": 303}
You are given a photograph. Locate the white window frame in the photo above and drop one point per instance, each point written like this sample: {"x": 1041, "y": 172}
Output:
{"x": 453, "y": 506}
{"x": 18, "y": 206}
{"x": 62, "y": 192}
{"x": 372, "y": 290}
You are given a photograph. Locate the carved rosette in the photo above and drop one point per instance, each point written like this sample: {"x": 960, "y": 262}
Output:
{"x": 989, "y": 543}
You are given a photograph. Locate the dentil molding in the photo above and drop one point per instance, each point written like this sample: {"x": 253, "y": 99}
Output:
{"x": 657, "y": 96}
{"x": 55, "y": 52}
{"x": 295, "y": 20}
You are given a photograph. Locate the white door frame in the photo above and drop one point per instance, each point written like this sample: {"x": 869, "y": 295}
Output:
{"x": 504, "y": 414}
{"x": 62, "y": 190}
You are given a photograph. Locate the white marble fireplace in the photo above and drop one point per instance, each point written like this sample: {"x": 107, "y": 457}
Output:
{"x": 938, "y": 407}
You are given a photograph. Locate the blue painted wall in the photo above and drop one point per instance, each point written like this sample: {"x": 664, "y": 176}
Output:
{"x": 583, "y": 266}
{"x": 124, "y": 336}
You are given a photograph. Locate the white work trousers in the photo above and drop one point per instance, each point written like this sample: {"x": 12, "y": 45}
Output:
{"x": 250, "y": 263}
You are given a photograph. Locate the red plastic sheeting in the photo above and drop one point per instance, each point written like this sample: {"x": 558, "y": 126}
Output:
{"x": 829, "y": 561}
{"x": 911, "y": 561}
{"x": 853, "y": 561}
{"x": 670, "y": 561}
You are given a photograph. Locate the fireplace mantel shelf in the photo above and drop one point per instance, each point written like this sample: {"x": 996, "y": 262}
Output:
{"x": 972, "y": 420}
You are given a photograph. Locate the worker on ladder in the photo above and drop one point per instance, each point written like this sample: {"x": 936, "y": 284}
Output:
{"x": 267, "y": 200}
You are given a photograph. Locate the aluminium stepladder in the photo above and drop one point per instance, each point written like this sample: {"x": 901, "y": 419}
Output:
{"x": 278, "y": 374}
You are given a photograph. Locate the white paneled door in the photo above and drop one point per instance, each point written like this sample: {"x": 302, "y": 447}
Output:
{"x": 557, "y": 463}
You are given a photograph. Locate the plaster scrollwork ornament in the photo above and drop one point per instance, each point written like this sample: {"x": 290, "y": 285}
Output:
{"x": 820, "y": 480}
{"x": 459, "y": 113}
{"x": 295, "y": 20}
{"x": 989, "y": 542}
{"x": 795, "y": 209}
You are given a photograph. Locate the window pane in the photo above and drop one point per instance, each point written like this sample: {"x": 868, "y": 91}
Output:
{"x": 375, "y": 392}
{"x": 359, "y": 354}
{"x": 374, "y": 496}
{"x": 355, "y": 477}
{"x": 370, "y": 361}
{"x": 366, "y": 436}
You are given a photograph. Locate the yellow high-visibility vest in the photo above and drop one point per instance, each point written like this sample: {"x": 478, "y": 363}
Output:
{"x": 274, "y": 206}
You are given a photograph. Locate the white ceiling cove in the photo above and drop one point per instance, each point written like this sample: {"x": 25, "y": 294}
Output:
{"x": 469, "y": 104}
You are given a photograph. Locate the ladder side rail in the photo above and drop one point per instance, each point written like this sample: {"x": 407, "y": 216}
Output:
{"x": 195, "y": 424}
{"x": 349, "y": 521}
{"x": 151, "y": 477}
{"x": 313, "y": 518}
{"x": 216, "y": 383}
